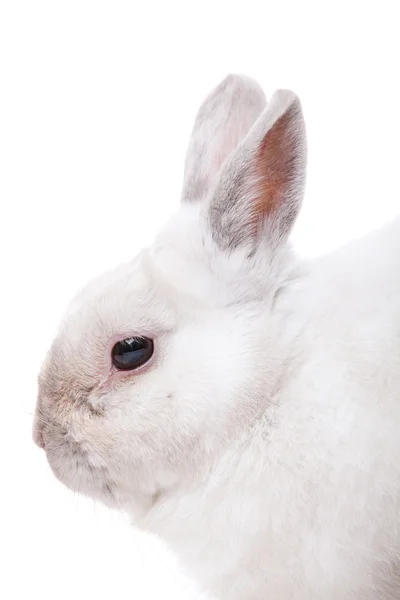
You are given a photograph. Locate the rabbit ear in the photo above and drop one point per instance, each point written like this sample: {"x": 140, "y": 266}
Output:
{"x": 260, "y": 188}
{"x": 223, "y": 120}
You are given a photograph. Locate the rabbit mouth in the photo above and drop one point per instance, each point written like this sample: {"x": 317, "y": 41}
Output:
{"x": 76, "y": 467}
{"x": 79, "y": 475}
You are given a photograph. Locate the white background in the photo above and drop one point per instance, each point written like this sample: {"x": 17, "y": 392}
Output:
{"x": 97, "y": 101}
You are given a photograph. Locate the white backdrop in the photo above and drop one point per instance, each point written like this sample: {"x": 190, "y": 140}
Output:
{"x": 97, "y": 100}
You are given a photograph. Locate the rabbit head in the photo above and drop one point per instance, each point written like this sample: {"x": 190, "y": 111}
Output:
{"x": 161, "y": 363}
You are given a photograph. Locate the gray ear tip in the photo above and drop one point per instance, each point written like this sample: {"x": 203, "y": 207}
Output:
{"x": 239, "y": 78}
{"x": 241, "y": 82}
{"x": 286, "y": 102}
{"x": 287, "y": 96}
{"x": 287, "y": 99}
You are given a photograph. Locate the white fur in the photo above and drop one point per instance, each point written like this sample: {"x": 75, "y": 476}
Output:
{"x": 263, "y": 442}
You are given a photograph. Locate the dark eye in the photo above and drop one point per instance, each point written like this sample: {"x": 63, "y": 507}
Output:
{"x": 131, "y": 353}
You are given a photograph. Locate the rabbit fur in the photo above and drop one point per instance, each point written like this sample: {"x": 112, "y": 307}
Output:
{"x": 262, "y": 439}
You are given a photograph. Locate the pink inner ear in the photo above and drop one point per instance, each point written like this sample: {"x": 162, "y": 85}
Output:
{"x": 273, "y": 170}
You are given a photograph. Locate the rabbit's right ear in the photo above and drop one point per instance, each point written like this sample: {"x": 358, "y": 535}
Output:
{"x": 259, "y": 191}
{"x": 222, "y": 122}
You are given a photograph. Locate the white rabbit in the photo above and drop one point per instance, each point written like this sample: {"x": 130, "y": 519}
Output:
{"x": 240, "y": 403}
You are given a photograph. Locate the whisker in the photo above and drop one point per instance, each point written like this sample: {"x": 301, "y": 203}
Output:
{"x": 39, "y": 417}
{"x": 44, "y": 421}
{"x": 47, "y": 469}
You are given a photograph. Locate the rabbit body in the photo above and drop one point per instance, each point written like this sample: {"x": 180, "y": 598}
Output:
{"x": 306, "y": 503}
{"x": 262, "y": 439}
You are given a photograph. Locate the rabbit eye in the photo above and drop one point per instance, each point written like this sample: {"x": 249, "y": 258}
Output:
{"x": 132, "y": 353}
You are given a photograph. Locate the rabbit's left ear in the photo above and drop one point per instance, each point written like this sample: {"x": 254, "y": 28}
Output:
{"x": 223, "y": 120}
{"x": 260, "y": 188}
